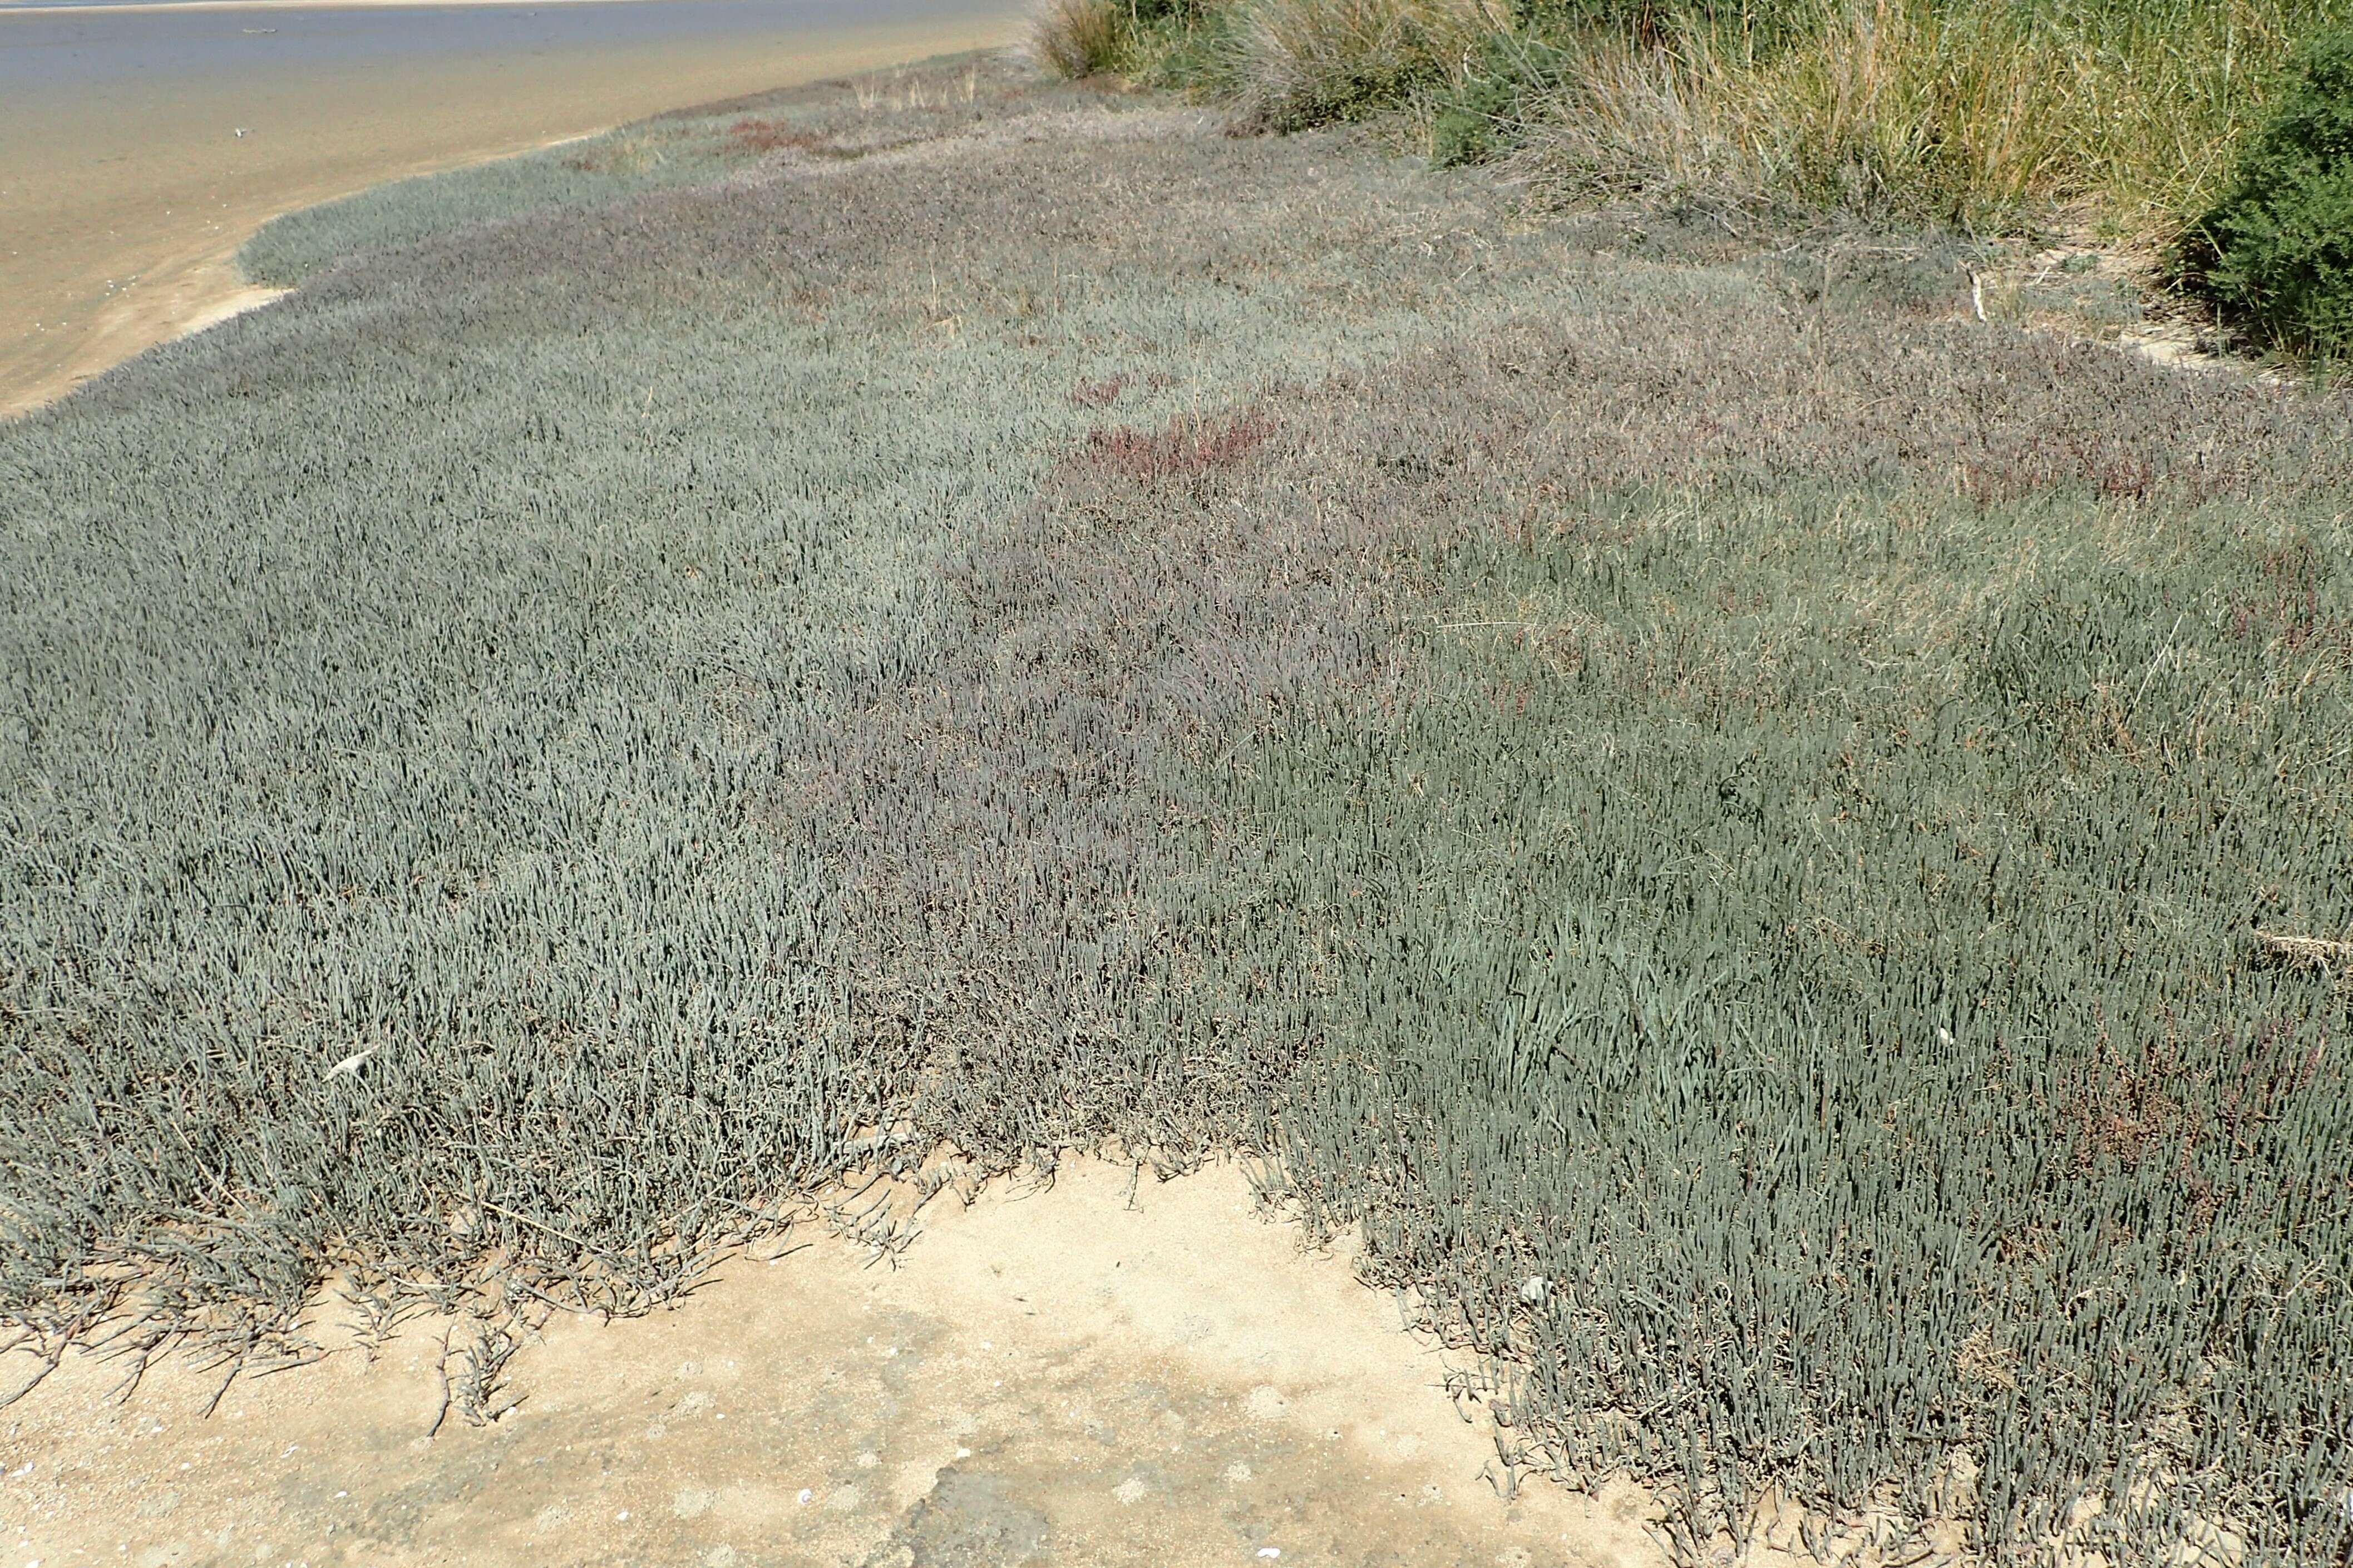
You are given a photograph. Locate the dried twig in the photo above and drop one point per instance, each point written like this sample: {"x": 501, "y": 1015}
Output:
{"x": 442, "y": 1367}
{"x": 2334, "y": 958}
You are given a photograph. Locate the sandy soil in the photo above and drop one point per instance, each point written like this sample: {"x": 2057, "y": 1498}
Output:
{"x": 121, "y": 208}
{"x": 1086, "y": 1375}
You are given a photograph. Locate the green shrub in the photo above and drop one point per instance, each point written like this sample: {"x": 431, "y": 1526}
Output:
{"x": 1477, "y": 118}
{"x": 2277, "y": 252}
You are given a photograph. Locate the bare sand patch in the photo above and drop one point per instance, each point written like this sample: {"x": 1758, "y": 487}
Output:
{"x": 237, "y": 301}
{"x": 1106, "y": 1370}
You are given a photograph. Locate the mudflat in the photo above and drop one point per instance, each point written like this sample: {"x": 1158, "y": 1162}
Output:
{"x": 139, "y": 145}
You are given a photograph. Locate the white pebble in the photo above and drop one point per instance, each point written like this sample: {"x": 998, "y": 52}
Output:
{"x": 807, "y": 1497}
{"x": 1269, "y": 1552}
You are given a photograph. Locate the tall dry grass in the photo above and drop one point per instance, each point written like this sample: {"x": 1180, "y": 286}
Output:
{"x": 1077, "y": 38}
{"x": 1983, "y": 113}
{"x": 1282, "y": 65}
{"x": 1288, "y": 64}
{"x": 1986, "y": 114}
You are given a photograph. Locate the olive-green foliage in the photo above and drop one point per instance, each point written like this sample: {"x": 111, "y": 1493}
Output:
{"x": 1477, "y": 117}
{"x": 2277, "y": 252}
{"x": 1981, "y": 114}
{"x": 1749, "y": 803}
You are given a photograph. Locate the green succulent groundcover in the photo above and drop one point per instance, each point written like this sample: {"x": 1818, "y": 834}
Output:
{"x": 1700, "y": 775}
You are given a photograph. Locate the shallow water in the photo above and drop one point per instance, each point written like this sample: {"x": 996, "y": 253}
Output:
{"x": 142, "y": 142}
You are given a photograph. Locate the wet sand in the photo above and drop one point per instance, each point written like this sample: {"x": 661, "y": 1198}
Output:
{"x": 125, "y": 188}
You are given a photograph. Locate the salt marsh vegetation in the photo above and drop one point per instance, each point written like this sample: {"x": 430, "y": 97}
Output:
{"x": 858, "y": 633}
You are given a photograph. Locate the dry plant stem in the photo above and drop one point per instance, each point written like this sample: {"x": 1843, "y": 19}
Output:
{"x": 2330, "y": 957}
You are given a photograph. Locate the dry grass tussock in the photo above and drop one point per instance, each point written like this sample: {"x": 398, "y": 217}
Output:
{"x": 1988, "y": 114}
{"x": 1076, "y": 39}
{"x": 1280, "y": 65}
{"x": 1975, "y": 115}
{"x": 1286, "y": 64}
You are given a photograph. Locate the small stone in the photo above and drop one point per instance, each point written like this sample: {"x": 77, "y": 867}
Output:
{"x": 1130, "y": 1490}
{"x": 1534, "y": 1288}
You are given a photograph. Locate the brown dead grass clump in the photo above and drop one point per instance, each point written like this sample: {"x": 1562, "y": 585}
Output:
{"x": 1190, "y": 445}
{"x": 751, "y": 134}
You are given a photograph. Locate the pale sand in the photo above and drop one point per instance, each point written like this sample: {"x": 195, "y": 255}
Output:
{"x": 1084, "y": 1375}
{"x": 121, "y": 211}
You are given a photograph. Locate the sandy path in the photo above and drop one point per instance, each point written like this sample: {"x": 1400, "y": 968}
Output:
{"x": 1071, "y": 1376}
{"x": 121, "y": 204}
